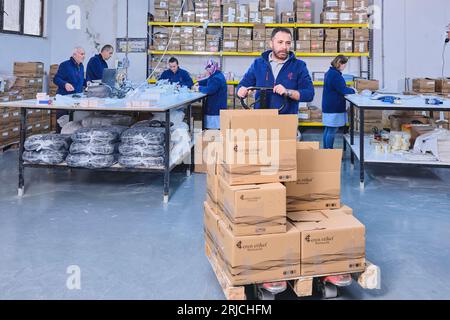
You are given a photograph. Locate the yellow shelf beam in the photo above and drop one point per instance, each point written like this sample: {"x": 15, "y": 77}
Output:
{"x": 268, "y": 25}
{"x": 185, "y": 53}
{"x": 310, "y": 124}
{"x": 327, "y": 54}
{"x": 253, "y": 54}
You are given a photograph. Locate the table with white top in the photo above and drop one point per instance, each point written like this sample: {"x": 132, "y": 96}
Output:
{"x": 165, "y": 105}
{"x": 359, "y": 145}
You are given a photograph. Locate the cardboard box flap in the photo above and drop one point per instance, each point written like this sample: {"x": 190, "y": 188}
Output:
{"x": 308, "y": 145}
{"x": 319, "y": 160}
{"x": 336, "y": 221}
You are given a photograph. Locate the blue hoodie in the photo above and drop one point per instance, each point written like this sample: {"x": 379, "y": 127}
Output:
{"x": 181, "y": 76}
{"x": 95, "y": 67}
{"x": 294, "y": 75}
{"x": 70, "y": 72}
{"x": 334, "y": 90}
{"x": 216, "y": 89}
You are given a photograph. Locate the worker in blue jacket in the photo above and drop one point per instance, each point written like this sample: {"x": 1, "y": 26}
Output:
{"x": 70, "y": 75}
{"x": 97, "y": 63}
{"x": 177, "y": 75}
{"x": 334, "y": 107}
{"x": 215, "y": 86}
{"x": 280, "y": 69}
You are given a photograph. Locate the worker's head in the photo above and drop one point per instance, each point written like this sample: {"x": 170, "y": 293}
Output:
{"x": 173, "y": 64}
{"x": 107, "y": 52}
{"x": 78, "y": 54}
{"x": 340, "y": 62}
{"x": 212, "y": 66}
{"x": 281, "y": 43}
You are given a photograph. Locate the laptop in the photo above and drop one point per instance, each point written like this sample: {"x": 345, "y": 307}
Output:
{"x": 109, "y": 77}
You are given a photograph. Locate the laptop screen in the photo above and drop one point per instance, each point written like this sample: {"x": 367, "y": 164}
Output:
{"x": 109, "y": 77}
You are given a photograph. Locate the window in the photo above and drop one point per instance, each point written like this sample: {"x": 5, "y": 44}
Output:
{"x": 22, "y": 17}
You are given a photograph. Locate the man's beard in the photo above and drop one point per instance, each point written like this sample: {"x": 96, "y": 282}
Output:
{"x": 277, "y": 55}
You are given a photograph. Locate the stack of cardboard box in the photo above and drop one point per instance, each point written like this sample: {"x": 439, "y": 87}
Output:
{"x": 254, "y": 223}
{"x": 199, "y": 39}
{"x": 52, "y": 87}
{"x": 157, "y": 66}
{"x": 214, "y": 10}
{"x": 201, "y": 11}
{"x": 317, "y": 40}
{"x": 242, "y": 13}
{"x": 229, "y": 11}
{"x": 189, "y": 11}
{"x": 161, "y": 12}
{"x": 267, "y": 9}
{"x": 29, "y": 79}
{"x": 345, "y": 11}
{"x": 213, "y": 38}
{"x": 9, "y": 126}
{"x": 360, "y": 11}
{"x": 187, "y": 38}
{"x": 175, "y": 13}
{"x": 372, "y": 118}
{"x": 259, "y": 38}
{"x": 230, "y": 38}
{"x": 160, "y": 41}
{"x": 303, "y": 11}
{"x": 254, "y": 15}
{"x": 361, "y": 40}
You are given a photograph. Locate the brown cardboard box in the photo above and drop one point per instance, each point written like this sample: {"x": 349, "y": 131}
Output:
{"x": 230, "y": 33}
{"x": 188, "y": 16}
{"x": 424, "y": 85}
{"x": 360, "y": 17}
{"x": 302, "y": 5}
{"x": 303, "y": 46}
{"x": 253, "y": 209}
{"x": 214, "y": 14}
{"x": 331, "y": 242}
{"x": 259, "y": 258}
{"x": 443, "y": 85}
{"x": 268, "y": 16}
{"x": 266, "y": 5}
{"x": 201, "y": 15}
{"x": 254, "y": 16}
{"x": 269, "y": 33}
{"x": 175, "y": 4}
{"x": 229, "y": 13}
{"x": 329, "y": 17}
{"x": 361, "y": 35}
{"x": 345, "y": 5}
{"x": 245, "y": 33}
{"x": 363, "y": 84}
{"x": 318, "y": 184}
{"x": 29, "y": 69}
{"x": 259, "y": 46}
{"x": 317, "y": 46}
{"x": 213, "y": 35}
{"x": 212, "y": 187}
{"x": 242, "y": 13}
{"x": 345, "y": 46}
{"x": 288, "y": 17}
{"x": 397, "y": 121}
{"x": 360, "y": 5}
{"x": 199, "y": 45}
{"x": 361, "y": 47}
{"x": 346, "y": 34}
{"x": 161, "y": 4}
{"x": 207, "y": 146}
{"x": 346, "y": 16}
{"x": 186, "y": 41}
{"x": 161, "y": 15}
{"x": 199, "y": 33}
{"x": 245, "y": 46}
{"x": 24, "y": 82}
{"x": 229, "y": 45}
{"x": 304, "y": 17}
{"x": 304, "y": 34}
{"x": 259, "y": 32}
{"x": 331, "y": 5}
{"x": 317, "y": 34}
{"x": 331, "y": 46}
{"x": 331, "y": 34}
{"x": 212, "y": 46}
{"x": 310, "y": 215}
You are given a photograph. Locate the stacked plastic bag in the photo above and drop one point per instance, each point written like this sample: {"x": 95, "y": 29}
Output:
{"x": 94, "y": 148}
{"x": 48, "y": 149}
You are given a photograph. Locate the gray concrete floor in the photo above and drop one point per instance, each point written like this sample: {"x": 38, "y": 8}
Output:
{"x": 128, "y": 245}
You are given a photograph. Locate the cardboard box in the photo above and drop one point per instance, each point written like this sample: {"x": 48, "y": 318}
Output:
{"x": 331, "y": 5}
{"x": 303, "y": 46}
{"x": 345, "y": 46}
{"x": 329, "y": 17}
{"x": 419, "y": 129}
{"x": 304, "y": 34}
{"x": 346, "y": 16}
{"x": 288, "y": 17}
{"x": 360, "y": 17}
{"x": 331, "y": 46}
{"x": 302, "y": 5}
{"x": 161, "y": 15}
{"x": 361, "y": 47}
{"x": 31, "y": 69}
{"x": 269, "y": 33}
{"x": 345, "y": 5}
{"x": 424, "y": 85}
{"x": 331, "y": 34}
{"x": 214, "y": 14}
{"x": 317, "y": 34}
{"x": 268, "y": 16}
{"x": 361, "y": 5}
{"x": 245, "y": 33}
{"x": 201, "y": 15}
{"x": 331, "y": 242}
{"x": 199, "y": 33}
{"x": 212, "y": 187}
{"x": 259, "y": 32}
{"x": 186, "y": 41}
{"x": 161, "y": 4}
{"x": 363, "y": 84}
{"x": 253, "y": 209}
{"x": 304, "y": 17}
{"x": 302, "y": 216}
{"x": 229, "y": 45}
{"x": 199, "y": 45}
{"x": 318, "y": 184}
{"x": 361, "y": 35}
{"x": 254, "y": 16}
{"x": 230, "y": 33}
{"x": 188, "y": 16}
{"x": 242, "y": 13}
{"x": 443, "y": 85}
{"x": 317, "y": 46}
{"x": 259, "y": 46}
{"x": 266, "y": 5}
{"x": 212, "y": 46}
{"x": 245, "y": 46}
{"x": 346, "y": 34}
{"x": 229, "y": 13}
{"x": 259, "y": 258}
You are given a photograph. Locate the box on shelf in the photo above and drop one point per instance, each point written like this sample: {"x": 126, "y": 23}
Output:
{"x": 364, "y": 84}
{"x": 288, "y": 17}
{"x": 361, "y": 35}
{"x": 188, "y": 16}
{"x": 161, "y": 15}
{"x": 254, "y": 17}
{"x": 317, "y": 34}
{"x": 266, "y": 5}
{"x": 242, "y": 13}
{"x": 304, "y": 34}
{"x": 424, "y": 85}
{"x": 361, "y": 47}
{"x": 29, "y": 69}
{"x": 259, "y": 46}
{"x": 245, "y": 45}
{"x": 317, "y": 46}
{"x": 346, "y": 46}
{"x": 214, "y": 14}
{"x": 199, "y": 45}
{"x": 230, "y": 45}
{"x": 360, "y": 17}
{"x": 212, "y": 46}
{"x": 245, "y": 33}
{"x": 331, "y": 34}
{"x": 346, "y": 34}
{"x": 443, "y": 85}
{"x": 303, "y": 46}
{"x": 230, "y": 33}
{"x": 229, "y": 13}
{"x": 329, "y": 17}
{"x": 199, "y": 33}
{"x": 345, "y": 5}
{"x": 162, "y": 4}
{"x": 346, "y": 17}
{"x": 268, "y": 16}
{"x": 259, "y": 32}
{"x": 304, "y": 17}
{"x": 302, "y": 5}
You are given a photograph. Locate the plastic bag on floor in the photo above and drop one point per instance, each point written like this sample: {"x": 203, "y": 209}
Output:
{"x": 141, "y": 150}
{"x": 45, "y": 157}
{"x": 144, "y": 135}
{"x": 90, "y": 161}
{"x": 98, "y": 135}
{"x": 105, "y": 120}
{"x": 54, "y": 142}
{"x": 141, "y": 162}
{"x": 93, "y": 148}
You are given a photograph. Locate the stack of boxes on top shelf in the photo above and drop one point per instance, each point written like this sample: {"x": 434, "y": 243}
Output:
{"x": 52, "y": 87}
{"x": 342, "y": 40}
{"x": 272, "y": 209}
{"x": 302, "y": 13}
{"x": 345, "y": 11}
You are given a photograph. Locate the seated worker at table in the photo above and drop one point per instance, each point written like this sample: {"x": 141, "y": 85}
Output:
{"x": 177, "y": 75}
{"x": 215, "y": 86}
{"x": 96, "y": 65}
{"x": 281, "y": 70}
{"x": 333, "y": 101}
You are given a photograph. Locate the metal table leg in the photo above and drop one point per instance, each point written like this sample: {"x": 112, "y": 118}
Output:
{"x": 203, "y": 113}
{"x": 23, "y": 133}
{"x": 191, "y": 135}
{"x": 167, "y": 159}
{"x": 361, "y": 147}
{"x": 352, "y": 133}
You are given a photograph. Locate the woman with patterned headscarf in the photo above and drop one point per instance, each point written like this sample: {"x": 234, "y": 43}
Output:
{"x": 215, "y": 86}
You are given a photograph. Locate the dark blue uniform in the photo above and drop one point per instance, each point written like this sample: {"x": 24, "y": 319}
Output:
{"x": 95, "y": 67}
{"x": 70, "y": 72}
{"x": 181, "y": 76}
{"x": 216, "y": 89}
